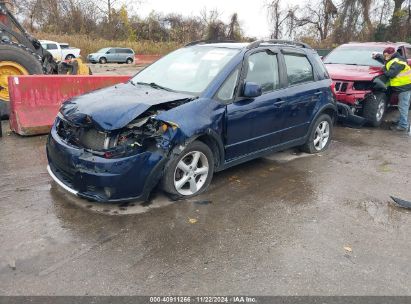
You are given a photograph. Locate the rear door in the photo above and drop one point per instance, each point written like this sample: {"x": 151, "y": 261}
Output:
{"x": 121, "y": 55}
{"x": 304, "y": 93}
{"x": 254, "y": 124}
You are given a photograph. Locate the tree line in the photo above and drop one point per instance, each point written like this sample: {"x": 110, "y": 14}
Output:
{"x": 321, "y": 23}
{"x": 327, "y": 23}
{"x": 115, "y": 20}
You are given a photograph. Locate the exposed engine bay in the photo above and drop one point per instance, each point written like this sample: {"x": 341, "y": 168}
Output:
{"x": 141, "y": 133}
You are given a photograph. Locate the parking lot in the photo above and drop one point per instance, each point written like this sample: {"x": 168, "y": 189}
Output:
{"x": 286, "y": 224}
{"x": 114, "y": 69}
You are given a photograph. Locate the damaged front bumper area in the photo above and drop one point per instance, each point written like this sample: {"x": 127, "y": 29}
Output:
{"x": 104, "y": 177}
{"x": 346, "y": 115}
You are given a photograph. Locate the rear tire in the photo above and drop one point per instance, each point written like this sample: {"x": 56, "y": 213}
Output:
{"x": 70, "y": 56}
{"x": 189, "y": 173}
{"x": 320, "y": 135}
{"x": 15, "y": 60}
{"x": 374, "y": 108}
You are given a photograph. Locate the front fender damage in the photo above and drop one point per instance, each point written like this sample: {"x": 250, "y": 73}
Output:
{"x": 188, "y": 124}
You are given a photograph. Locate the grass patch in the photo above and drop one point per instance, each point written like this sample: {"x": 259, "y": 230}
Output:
{"x": 89, "y": 45}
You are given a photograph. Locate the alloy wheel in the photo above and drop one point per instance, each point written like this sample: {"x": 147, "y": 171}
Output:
{"x": 191, "y": 173}
{"x": 380, "y": 111}
{"x": 322, "y": 135}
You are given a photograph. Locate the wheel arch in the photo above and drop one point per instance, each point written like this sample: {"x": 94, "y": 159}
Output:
{"x": 72, "y": 55}
{"x": 212, "y": 140}
{"x": 329, "y": 109}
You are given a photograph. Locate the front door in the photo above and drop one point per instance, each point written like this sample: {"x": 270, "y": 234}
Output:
{"x": 254, "y": 124}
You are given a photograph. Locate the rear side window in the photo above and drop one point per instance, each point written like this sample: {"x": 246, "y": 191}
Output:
{"x": 51, "y": 46}
{"x": 128, "y": 51}
{"x": 299, "y": 69}
{"x": 263, "y": 70}
{"x": 322, "y": 70}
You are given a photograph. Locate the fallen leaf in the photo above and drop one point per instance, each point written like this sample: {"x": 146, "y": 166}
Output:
{"x": 12, "y": 264}
{"x": 192, "y": 221}
{"x": 384, "y": 169}
{"x": 346, "y": 248}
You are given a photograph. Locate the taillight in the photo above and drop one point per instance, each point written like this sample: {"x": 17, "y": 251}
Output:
{"x": 332, "y": 87}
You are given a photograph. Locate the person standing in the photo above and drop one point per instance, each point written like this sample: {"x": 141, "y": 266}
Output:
{"x": 398, "y": 71}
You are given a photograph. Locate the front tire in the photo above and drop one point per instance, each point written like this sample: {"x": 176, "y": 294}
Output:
{"x": 374, "y": 108}
{"x": 103, "y": 60}
{"x": 189, "y": 173}
{"x": 320, "y": 135}
{"x": 70, "y": 57}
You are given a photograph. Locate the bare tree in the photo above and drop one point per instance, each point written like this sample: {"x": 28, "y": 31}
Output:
{"x": 320, "y": 15}
{"x": 234, "y": 29}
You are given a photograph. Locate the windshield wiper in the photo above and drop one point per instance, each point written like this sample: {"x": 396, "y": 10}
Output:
{"x": 153, "y": 85}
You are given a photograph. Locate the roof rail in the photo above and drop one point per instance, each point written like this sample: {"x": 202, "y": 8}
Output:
{"x": 257, "y": 43}
{"x": 208, "y": 41}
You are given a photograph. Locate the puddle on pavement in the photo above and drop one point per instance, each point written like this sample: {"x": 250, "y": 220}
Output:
{"x": 385, "y": 213}
{"x": 160, "y": 200}
{"x": 287, "y": 156}
{"x": 241, "y": 179}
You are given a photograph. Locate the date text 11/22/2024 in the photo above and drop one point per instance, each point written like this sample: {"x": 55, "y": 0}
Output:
{"x": 205, "y": 299}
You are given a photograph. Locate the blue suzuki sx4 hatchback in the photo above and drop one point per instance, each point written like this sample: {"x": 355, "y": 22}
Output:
{"x": 198, "y": 110}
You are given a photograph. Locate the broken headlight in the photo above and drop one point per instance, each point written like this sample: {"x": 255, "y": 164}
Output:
{"x": 139, "y": 136}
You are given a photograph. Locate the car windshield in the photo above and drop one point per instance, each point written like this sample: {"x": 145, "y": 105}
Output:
{"x": 355, "y": 55}
{"x": 189, "y": 69}
{"x": 103, "y": 50}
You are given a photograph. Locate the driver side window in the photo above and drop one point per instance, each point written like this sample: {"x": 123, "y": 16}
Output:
{"x": 263, "y": 70}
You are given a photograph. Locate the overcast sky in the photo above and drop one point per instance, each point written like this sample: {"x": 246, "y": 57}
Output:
{"x": 251, "y": 13}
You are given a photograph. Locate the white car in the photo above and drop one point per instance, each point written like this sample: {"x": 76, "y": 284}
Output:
{"x": 60, "y": 51}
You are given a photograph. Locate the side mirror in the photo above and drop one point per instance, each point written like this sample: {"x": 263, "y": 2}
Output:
{"x": 108, "y": 52}
{"x": 251, "y": 89}
{"x": 409, "y": 61}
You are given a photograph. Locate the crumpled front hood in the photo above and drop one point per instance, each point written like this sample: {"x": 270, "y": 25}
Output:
{"x": 353, "y": 72}
{"x": 114, "y": 107}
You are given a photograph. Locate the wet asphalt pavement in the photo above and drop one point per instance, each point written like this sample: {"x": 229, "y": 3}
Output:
{"x": 287, "y": 224}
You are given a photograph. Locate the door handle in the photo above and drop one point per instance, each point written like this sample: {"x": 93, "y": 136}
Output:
{"x": 279, "y": 104}
{"x": 318, "y": 93}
